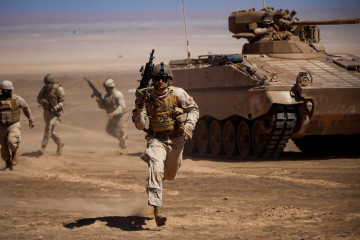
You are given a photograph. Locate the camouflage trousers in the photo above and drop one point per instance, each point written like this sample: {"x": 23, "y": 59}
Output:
{"x": 50, "y": 122}
{"x": 10, "y": 139}
{"x": 116, "y": 127}
{"x": 164, "y": 160}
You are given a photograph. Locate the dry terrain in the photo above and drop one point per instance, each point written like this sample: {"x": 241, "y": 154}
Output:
{"x": 90, "y": 192}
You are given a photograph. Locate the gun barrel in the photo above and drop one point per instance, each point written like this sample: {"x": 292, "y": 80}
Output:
{"x": 328, "y": 22}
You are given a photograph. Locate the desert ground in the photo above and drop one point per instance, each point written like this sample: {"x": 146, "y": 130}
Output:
{"x": 91, "y": 192}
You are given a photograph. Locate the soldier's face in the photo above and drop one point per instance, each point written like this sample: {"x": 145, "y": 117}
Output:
{"x": 160, "y": 83}
{"x": 6, "y": 93}
{"x": 109, "y": 89}
{"x": 49, "y": 86}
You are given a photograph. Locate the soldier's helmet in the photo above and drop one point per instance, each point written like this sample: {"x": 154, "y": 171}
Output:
{"x": 161, "y": 70}
{"x": 109, "y": 83}
{"x": 266, "y": 19}
{"x": 49, "y": 78}
{"x": 7, "y": 85}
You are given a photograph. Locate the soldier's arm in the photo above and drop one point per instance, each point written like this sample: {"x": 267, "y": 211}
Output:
{"x": 120, "y": 102}
{"x": 40, "y": 96}
{"x": 189, "y": 105}
{"x": 140, "y": 118}
{"x": 25, "y": 108}
{"x": 61, "y": 98}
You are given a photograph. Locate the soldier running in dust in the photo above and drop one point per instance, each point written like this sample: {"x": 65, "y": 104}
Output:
{"x": 51, "y": 97}
{"x": 10, "y": 136}
{"x": 172, "y": 116}
{"x": 114, "y": 105}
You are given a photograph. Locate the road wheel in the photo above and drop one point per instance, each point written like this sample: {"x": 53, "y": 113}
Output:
{"x": 243, "y": 139}
{"x": 259, "y": 139}
{"x": 229, "y": 138}
{"x": 215, "y": 137}
{"x": 202, "y": 136}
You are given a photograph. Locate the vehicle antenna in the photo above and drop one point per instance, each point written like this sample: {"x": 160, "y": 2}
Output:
{"x": 186, "y": 33}
{"x": 264, "y": 3}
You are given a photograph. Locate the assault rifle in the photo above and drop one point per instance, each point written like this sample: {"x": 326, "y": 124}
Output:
{"x": 95, "y": 91}
{"x": 146, "y": 72}
{"x": 52, "y": 107}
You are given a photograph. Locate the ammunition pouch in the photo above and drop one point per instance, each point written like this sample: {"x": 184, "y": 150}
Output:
{"x": 162, "y": 124}
{"x": 9, "y": 111}
{"x": 181, "y": 119}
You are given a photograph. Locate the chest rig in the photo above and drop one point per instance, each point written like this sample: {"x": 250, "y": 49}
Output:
{"x": 9, "y": 110}
{"x": 162, "y": 114}
{"x": 110, "y": 102}
{"x": 52, "y": 96}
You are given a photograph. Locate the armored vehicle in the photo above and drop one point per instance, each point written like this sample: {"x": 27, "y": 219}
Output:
{"x": 283, "y": 86}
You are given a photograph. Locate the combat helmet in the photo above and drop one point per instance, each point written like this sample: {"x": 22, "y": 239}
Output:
{"x": 7, "y": 85}
{"x": 49, "y": 78}
{"x": 266, "y": 19}
{"x": 109, "y": 83}
{"x": 162, "y": 70}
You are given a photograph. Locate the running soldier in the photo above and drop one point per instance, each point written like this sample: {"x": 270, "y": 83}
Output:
{"x": 172, "y": 116}
{"x": 114, "y": 105}
{"x": 10, "y": 135}
{"x": 51, "y": 97}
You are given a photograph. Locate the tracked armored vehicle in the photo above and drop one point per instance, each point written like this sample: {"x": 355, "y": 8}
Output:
{"x": 283, "y": 86}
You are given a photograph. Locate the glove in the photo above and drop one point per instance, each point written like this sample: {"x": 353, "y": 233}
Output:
{"x": 187, "y": 133}
{"x": 140, "y": 95}
{"x": 45, "y": 103}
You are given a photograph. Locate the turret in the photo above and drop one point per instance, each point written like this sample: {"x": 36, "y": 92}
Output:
{"x": 278, "y": 32}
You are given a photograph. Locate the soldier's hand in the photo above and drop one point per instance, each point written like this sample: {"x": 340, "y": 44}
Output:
{"x": 110, "y": 116}
{"x": 187, "y": 133}
{"x": 31, "y": 125}
{"x": 270, "y": 29}
{"x": 98, "y": 99}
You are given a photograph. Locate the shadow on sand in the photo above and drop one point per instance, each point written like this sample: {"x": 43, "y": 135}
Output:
{"x": 36, "y": 154}
{"x": 129, "y": 223}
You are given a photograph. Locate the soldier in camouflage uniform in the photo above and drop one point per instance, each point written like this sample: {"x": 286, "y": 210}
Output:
{"x": 172, "y": 116}
{"x": 270, "y": 28}
{"x": 55, "y": 93}
{"x": 10, "y": 137}
{"x": 114, "y": 105}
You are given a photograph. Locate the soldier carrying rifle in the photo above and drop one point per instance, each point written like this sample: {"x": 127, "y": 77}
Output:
{"x": 114, "y": 104}
{"x": 51, "y": 97}
{"x": 172, "y": 116}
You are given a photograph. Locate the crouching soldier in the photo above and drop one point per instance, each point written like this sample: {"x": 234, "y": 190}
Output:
{"x": 172, "y": 116}
{"x": 10, "y": 105}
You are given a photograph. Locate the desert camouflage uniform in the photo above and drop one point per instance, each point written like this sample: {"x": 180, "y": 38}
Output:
{"x": 114, "y": 102}
{"x": 10, "y": 135}
{"x": 164, "y": 152}
{"x": 56, "y": 94}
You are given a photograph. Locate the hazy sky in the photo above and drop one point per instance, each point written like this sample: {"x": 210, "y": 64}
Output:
{"x": 84, "y": 35}
{"x": 48, "y": 6}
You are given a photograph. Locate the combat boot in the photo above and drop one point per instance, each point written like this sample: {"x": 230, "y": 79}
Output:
{"x": 8, "y": 166}
{"x": 60, "y": 146}
{"x": 42, "y": 151}
{"x": 123, "y": 151}
{"x": 160, "y": 219}
{"x": 15, "y": 158}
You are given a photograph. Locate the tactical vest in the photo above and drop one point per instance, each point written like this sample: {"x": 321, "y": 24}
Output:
{"x": 162, "y": 117}
{"x": 52, "y": 95}
{"x": 9, "y": 110}
{"x": 110, "y": 103}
